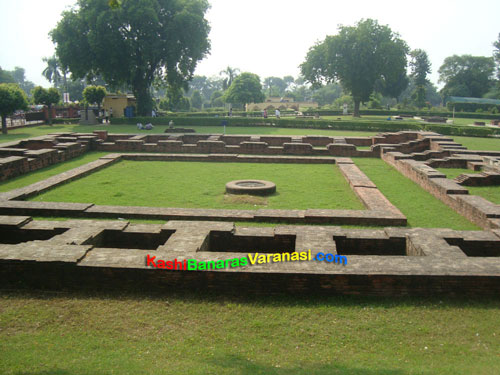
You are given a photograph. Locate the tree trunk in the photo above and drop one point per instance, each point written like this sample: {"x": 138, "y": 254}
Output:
{"x": 50, "y": 114}
{"x": 144, "y": 101}
{"x": 4, "y": 124}
{"x": 356, "y": 108}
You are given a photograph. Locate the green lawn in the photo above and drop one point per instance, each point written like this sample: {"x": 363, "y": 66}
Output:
{"x": 476, "y": 143}
{"x": 491, "y": 193}
{"x": 77, "y": 334}
{"x": 420, "y": 207}
{"x": 202, "y": 185}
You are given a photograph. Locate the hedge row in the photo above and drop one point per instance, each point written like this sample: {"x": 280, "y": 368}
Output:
{"x": 378, "y": 112}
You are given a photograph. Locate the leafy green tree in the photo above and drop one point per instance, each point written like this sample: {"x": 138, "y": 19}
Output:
{"x": 134, "y": 42}
{"x": 6, "y": 77}
{"x": 420, "y": 68}
{"x": 275, "y": 86}
{"x": 196, "y": 100}
{"x": 246, "y": 88}
{"x": 357, "y": 57}
{"x": 228, "y": 74}
{"x": 327, "y": 94}
{"x": 94, "y": 94}
{"x": 12, "y": 98}
{"x": 466, "y": 75}
{"x": 217, "y": 99}
{"x": 19, "y": 77}
{"x": 46, "y": 97}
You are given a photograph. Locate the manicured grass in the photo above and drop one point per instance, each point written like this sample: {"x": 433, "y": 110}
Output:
{"x": 452, "y": 173}
{"x": 475, "y": 143}
{"x": 81, "y": 334}
{"x": 50, "y": 171}
{"x": 420, "y": 207}
{"x": 202, "y": 185}
{"x": 491, "y": 193}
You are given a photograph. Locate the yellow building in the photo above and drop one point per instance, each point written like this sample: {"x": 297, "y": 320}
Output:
{"x": 118, "y": 103}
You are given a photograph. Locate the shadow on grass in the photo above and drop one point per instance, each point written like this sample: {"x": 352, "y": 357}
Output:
{"x": 278, "y": 301}
{"x": 239, "y": 365}
{"x": 59, "y": 372}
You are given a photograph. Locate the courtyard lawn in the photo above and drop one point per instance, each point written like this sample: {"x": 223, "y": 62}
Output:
{"x": 79, "y": 334}
{"x": 50, "y": 171}
{"x": 202, "y": 185}
{"x": 475, "y": 143}
{"x": 491, "y": 193}
{"x": 420, "y": 207}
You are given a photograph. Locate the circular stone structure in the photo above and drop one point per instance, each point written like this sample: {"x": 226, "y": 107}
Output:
{"x": 251, "y": 187}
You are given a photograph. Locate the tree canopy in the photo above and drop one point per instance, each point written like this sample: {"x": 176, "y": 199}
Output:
{"x": 420, "y": 68}
{"x": 12, "y": 98}
{"x": 357, "y": 57}
{"x": 94, "y": 94}
{"x": 466, "y": 75}
{"x": 134, "y": 42}
{"x": 46, "y": 97}
{"x": 246, "y": 88}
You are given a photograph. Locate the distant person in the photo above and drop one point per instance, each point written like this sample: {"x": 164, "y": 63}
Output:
{"x": 264, "y": 114}
{"x": 230, "y": 112}
{"x": 171, "y": 124}
{"x": 106, "y": 116}
{"x": 153, "y": 113}
{"x": 149, "y": 126}
{"x": 139, "y": 126}
{"x": 111, "y": 113}
{"x": 277, "y": 113}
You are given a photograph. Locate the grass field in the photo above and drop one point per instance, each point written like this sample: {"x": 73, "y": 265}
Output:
{"x": 77, "y": 334}
{"x": 420, "y": 207}
{"x": 202, "y": 185}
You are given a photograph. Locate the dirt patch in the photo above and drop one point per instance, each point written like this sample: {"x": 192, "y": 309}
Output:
{"x": 245, "y": 199}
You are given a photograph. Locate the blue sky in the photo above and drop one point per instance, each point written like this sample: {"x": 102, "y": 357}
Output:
{"x": 272, "y": 37}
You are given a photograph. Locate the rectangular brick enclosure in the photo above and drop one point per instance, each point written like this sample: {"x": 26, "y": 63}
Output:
{"x": 392, "y": 260}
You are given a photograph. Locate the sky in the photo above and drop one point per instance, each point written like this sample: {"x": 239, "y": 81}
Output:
{"x": 272, "y": 37}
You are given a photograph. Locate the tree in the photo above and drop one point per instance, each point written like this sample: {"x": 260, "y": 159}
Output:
{"x": 327, "y": 94}
{"x": 420, "y": 67}
{"x": 12, "y": 98}
{"x": 94, "y": 94}
{"x": 18, "y": 74}
{"x": 134, "y": 42}
{"x": 217, "y": 99}
{"x": 275, "y": 86}
{"x": 357, "y": 57}
{"x": 196, "y": 100}
{"x": 466, "y": 75}
{"x": 246, "y": 88}
{"x": 6, "y": 77}
{"x": 46, "y": 97}
{"x": 230, "y": 74}
{"x": 496, "y": 55}
{"x": 51, "y": 72}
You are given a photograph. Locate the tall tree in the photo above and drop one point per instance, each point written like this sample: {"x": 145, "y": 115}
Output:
{"x": 466, "y": 75}
{"x": 496, "y": 55}
{"x": 134, "y": 42}
{"x": 420, "y": 68}
{"x": 19, "y": 77}
{"x": 12, "y": 98}
{"x": 52, "y": 71}
{"x": 357, "y": 57}
{"x": 246, "y": 88}
{"x": 6, "y": 77}
{"x": 46, "y": 97}
{"x": 228, "y": 74}
{"x": 196, "y": 100}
